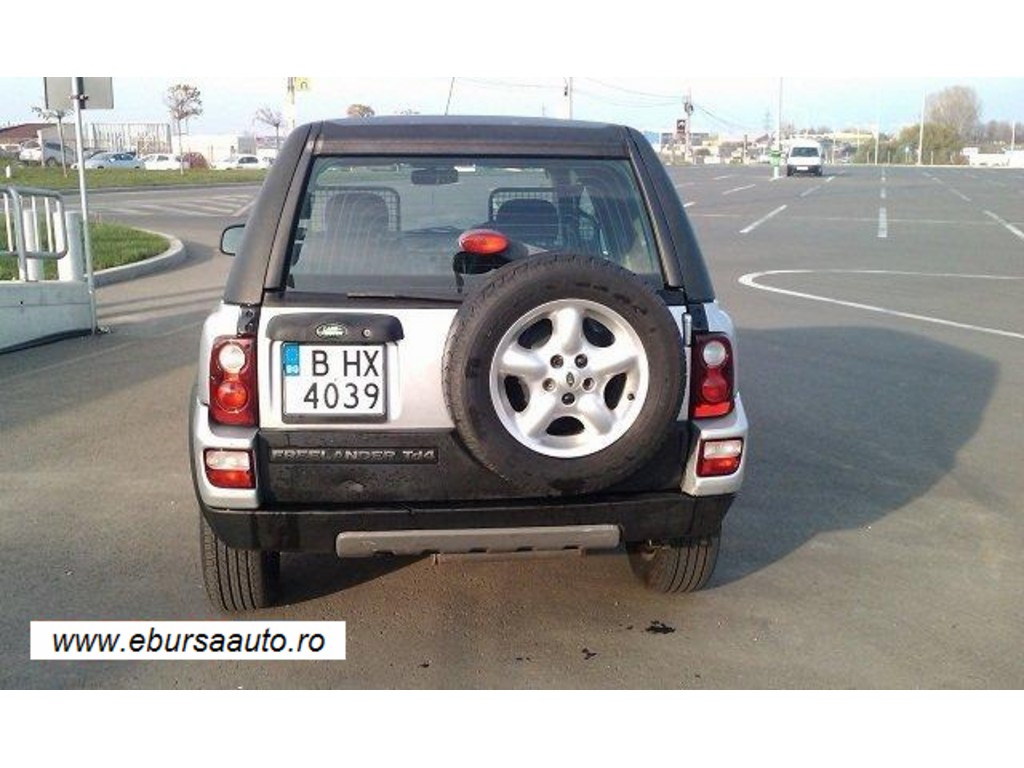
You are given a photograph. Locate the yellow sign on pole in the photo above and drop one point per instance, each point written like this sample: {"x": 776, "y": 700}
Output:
{"x": 300, "y": 83}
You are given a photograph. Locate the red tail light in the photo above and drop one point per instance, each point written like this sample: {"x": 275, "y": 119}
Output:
{"x": 233, "y": 396}
{"x": 711, "y": 391}
{"x": 483, "y": 242}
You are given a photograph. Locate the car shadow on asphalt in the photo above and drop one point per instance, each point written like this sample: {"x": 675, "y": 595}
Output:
{"x": 847, "y": 425}
{"x": 306, "y": 577}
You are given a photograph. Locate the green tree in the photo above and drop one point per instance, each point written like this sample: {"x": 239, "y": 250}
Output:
{"x": 183, "y": 101}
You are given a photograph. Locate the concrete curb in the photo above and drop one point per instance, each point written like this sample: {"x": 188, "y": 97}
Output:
{"x": 172, "y": 257}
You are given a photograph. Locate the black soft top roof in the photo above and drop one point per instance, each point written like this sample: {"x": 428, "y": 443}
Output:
{"x": 461, "y": 135}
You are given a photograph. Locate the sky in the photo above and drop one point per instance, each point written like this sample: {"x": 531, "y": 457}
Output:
{"x": 734, "y": 105}
{"x": 840, "y": 66}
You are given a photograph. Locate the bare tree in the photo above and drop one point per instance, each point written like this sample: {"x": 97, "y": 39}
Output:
{"x": 957, "y": 107}
{"x": 360, "y": 110}
{"x": 274, "y": 119}
{"x": 183, "y": 101}
{"x": 58, "y": 115}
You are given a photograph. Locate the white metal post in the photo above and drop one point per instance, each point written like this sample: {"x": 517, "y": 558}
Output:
{"x": 33, "y": 267}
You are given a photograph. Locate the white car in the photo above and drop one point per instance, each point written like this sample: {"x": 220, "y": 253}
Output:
{"x": 805, "y": 157}
{"x": 160, "y": 162}
{"x": 113, "y": 160}
{"x": 239, "y": 161}
{"x": 31, "y": 151}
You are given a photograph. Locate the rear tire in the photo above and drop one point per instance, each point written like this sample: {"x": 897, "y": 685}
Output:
{"x": 683, "y": 565}
{"x": 237, "y": 579}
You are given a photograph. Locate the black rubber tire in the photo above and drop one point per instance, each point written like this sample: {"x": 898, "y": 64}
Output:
{"x": 508, "y": 295}
{"x": 237, "y": 579}
{"x": 685, "y": 565}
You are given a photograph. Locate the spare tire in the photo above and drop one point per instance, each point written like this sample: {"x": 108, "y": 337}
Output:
{"x": 563, "y": 373}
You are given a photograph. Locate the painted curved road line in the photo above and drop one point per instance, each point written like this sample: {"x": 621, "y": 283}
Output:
{"x": 751, "y": 281}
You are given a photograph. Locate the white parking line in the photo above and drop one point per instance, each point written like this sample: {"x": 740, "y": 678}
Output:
{"x": 883, "y": 223}
{"x": 738, "y": 189}
{"x": 750, "y": 280}
{"x": 241, "y": 211}
{"x": 687, "y": 205}
{"x": 1006, "y": 224}
{"x": 762, "y": 220}
{"x": 960, "y": 194}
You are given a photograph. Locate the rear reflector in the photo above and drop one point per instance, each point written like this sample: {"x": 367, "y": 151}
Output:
{"x": 229, "y": 469}
{"x": 720, "y": 457}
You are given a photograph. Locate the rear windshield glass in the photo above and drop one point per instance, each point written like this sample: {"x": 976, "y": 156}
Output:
{"x": 804, "y": 152}
{"x": 393, "y": 224}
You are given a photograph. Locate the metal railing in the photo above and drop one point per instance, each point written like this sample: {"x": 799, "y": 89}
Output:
{"x": 34, "y": 229}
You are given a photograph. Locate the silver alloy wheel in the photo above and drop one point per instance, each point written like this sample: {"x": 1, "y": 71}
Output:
{"x": 569, "y": 378}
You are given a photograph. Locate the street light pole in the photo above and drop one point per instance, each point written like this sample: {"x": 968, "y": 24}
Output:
{"x": 78, "y": 96}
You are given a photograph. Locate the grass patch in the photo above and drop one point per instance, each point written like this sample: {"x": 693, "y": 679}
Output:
{"x": 113, "y": 245}
{"x": 105, "y": 178}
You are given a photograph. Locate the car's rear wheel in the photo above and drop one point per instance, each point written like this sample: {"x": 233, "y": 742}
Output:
{"x": 237, "y": 579}
{"x": 564, "y": 373}
{"x": 683, "y": 565}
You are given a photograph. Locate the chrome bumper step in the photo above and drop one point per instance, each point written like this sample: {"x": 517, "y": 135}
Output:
{"x": 476, "y": 540}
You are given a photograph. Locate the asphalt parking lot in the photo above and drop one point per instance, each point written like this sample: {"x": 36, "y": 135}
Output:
{"x": 875, "y": 546}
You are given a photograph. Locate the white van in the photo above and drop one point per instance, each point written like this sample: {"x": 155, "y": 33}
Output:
{"x": 805, "y": 157}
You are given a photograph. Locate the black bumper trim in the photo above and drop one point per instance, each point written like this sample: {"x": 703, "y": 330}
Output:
{"x": 641, "y": 517}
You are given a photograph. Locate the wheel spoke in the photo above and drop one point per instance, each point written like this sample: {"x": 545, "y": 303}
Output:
{"x": 534, "y": 421}
{"x": 521, "y": 362}
{"x": 606, "y": 362}
{"x": 567, "y": 333}
{"x": 595, "y": 414}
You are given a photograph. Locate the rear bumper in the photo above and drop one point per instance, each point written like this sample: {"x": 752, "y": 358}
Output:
{"x": 473, "y": 525}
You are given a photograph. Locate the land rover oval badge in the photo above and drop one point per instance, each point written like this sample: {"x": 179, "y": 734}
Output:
{"x": 331, "y": 331}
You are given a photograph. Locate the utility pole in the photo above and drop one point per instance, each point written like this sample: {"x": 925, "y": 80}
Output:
{"x": 568, "y": 96}
{"x": 451, "y": 90}
{"x": 289, "y": 105}
{"x": 688, "y": 133}
{"x": 920, "y": 138}
{"x": 777, "y": 165}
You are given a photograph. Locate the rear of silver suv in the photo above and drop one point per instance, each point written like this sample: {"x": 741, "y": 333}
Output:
{"x": 464, "y": 335}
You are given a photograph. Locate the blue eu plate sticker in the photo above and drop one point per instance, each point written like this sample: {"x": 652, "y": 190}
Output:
{"x": 291, "y": 359}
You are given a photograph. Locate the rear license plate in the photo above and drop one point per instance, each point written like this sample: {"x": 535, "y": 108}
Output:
{"x": 334, "y": 380}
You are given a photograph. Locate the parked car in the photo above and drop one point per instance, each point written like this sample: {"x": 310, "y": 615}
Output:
{"x": 159, "y": 162}
{"x": 31, "y": 151}
{"x": 10, "y": 150}
{"x": 113, "y": 160}
{"x": 239, "y": 161}
{"x": 531, "y": 359}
